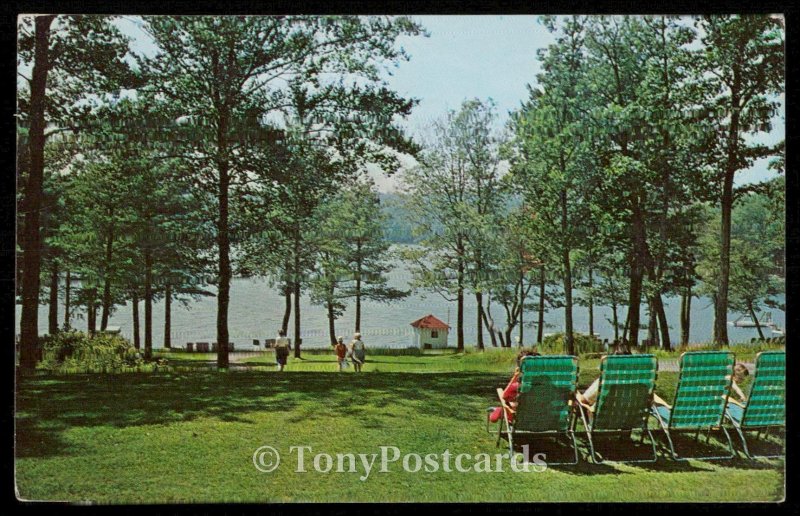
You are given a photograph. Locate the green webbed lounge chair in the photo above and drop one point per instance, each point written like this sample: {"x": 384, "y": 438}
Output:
{"x": 704, "y": 384}
{"x": 623, "y": 401}
{"x": 544, "y": 401}
{"x": 766, "y": 403}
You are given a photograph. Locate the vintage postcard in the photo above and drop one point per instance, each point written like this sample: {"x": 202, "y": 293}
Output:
{"x": 472, "y": 258}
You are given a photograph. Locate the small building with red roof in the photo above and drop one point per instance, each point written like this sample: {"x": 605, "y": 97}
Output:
{"x": 429, "y": 333}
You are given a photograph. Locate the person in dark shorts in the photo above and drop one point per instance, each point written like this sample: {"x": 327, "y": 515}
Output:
{"x": 282, "y": 347}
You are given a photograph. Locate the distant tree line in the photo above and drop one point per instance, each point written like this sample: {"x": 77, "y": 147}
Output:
{"x": 621, "y": 164}
{"x": 154, "y": 176}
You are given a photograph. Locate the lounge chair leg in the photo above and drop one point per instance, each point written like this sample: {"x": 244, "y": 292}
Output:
{"x": 510, "y": 443}
{"x": 730, "y": 443}
{"x": 589, "y": 436}
{"x": 591, "y": 449}
{"x": 574, "y": 446}
{"x": 499, "y": 433}
{"x": 744, "y": 441}
{"x": 664, "y": 428}
{"x": 652, "y": 443}
{"x": 672, "y": 446}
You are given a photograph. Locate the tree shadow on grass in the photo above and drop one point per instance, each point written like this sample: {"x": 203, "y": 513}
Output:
{"x": 49, "y": 405}
{"x": 621, "y": 451}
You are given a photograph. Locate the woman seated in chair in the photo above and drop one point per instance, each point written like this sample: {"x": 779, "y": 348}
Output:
{"x": 511, "y": 390}
{"x": 740, "y": 372}
{"x": 589, "y": 396}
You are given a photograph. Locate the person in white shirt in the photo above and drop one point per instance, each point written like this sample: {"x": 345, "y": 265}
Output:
{"x": 282, "y": 347}
{"x": 357, "y": 352}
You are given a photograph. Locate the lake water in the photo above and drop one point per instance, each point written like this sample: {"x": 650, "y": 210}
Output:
{"x": 256, "y": 311}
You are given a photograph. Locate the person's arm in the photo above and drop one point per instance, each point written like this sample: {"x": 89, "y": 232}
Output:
{"x": 514, "y": 377}
{"x": 738, "y": 391}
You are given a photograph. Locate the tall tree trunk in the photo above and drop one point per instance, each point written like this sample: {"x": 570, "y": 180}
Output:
{"x": 67, "y": 307}
{"x": 167, "y": 316}
{"x": 296, "y": 287}
{"x": 627, "y": 324}
{"x": 636, "y": 276}
{"x": 488, "y": 323}
{"x": 135, "y": 303}
{"x": 91, "y": 312}
{"x": 460, "y": 296}
{"x": 686, "y": 305}
{"x": 479, "y": 302}
{"x": 755, "y": 319}
{"x": 540, "y": 323}
{"x": 223, "y": 237}
{"x": 652, "y": 327}
{"x": 591, "y": 304}
{"x": 107, "y": 277}
{"x": 522, "y": 294}
{"x": 331, "y": 323}
{"x": 31, "y": 205}
{"x": 52, "y": 316}
{"x": 297, "y": 338}
{"x": 148, "y": 304}
{"x": 331, "y": 315}
{"x": 287, "y": 310}
{"x": 569, "y": 342}
{"x": 663, "y": 326}
{"x": 358, "y": 292}
{"x": 726, "y": 208}
{"x": 615, "y": 319}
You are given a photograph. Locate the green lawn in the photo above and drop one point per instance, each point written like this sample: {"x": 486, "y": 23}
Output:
{"x": 189, "y": 435}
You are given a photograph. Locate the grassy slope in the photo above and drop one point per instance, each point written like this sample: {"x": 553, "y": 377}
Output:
{"x": 190, "y": 436}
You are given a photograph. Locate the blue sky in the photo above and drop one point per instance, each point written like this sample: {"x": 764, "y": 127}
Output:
{"x": 475, "y": 57}
{"x": 467, "y": 57}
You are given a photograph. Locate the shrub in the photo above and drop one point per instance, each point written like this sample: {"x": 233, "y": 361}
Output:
{"x": 376, "y": 351}
{"x": 74, "y": 351}
{"x": 554, "y": 344}
{"x": 396, "y": 352}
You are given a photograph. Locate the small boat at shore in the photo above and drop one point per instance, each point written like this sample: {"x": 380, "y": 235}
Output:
{"x": 745, "y": 321}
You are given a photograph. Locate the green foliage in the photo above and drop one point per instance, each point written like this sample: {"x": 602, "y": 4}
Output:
{"x": 73, "y": 351}
{"x": 757, "y": 250}
{"x": 398, "y": 228}
{"x": 554, "y": 344}
{"x": 394, "y": 352}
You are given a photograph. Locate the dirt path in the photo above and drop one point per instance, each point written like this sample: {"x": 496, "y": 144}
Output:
{"x": 671, "y": 365}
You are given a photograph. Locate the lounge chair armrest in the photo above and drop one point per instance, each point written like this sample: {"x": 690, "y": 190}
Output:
{"x": 503, "y": 401}
{"x": 658, "y": 401}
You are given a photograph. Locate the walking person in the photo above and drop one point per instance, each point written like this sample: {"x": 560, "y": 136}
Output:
{"x": 282, "y": 347}
{"x": 341, "y": 353}
{"x": 357, "y": 352}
